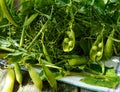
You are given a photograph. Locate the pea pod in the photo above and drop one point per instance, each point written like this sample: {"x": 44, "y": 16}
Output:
{"x": 108, "y": 50}
{"x": 18, "y": 73}
{"x": 7, "y": 13}
{"x": 9, "y": 82}
{"x": 96, "y": 51}
{"x": 76, "y": 60}
{"x": 46, "y": 53}
{"x": 34, "y": 76}
{"x": 50, "y": 77}
{"x": 68, "y": 43}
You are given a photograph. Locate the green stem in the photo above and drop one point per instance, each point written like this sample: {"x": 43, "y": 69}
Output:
{"x": 35, "y": 38}
{"x": 71, "y": 14}
{"x": 53, "y": 66}
{"x": 50, "y": 66}
{"x": 7, "y": 49}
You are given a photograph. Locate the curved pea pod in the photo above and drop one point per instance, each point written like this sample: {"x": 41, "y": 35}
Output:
{"x": 75, "y": 60}
{"x": 30, "y": 19}
{"x": 9, "y": 82}
{"x": 46, "y": 53}
{"x": 7, "y": 12}
{"x": 50, "y": 77}
{"x": 68, "y": 43}
{"x": 108, "y": 50}
{"x": 18, "y": 73}
{"x": 96, "y": 51}
{"x": 35, "y": 77}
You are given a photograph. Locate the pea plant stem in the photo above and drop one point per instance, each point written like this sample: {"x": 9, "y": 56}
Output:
{"x": 41, "y": 30}
{"x": 50, "y": 66}
{"x": 53, "y": 66}
{"x": 71, "y": 14}
{"x": 23, "y": 33}
{"x": 7, "y": 49}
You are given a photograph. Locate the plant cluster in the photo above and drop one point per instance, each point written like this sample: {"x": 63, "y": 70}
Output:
{"x": 61, "y": 38}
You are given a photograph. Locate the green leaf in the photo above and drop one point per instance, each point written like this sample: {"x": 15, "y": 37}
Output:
{"x": 110, "y": 82}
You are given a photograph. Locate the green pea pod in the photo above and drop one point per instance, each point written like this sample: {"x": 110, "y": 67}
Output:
{"x": 96, "y": 52}
{"x": 7, "y": 13}
{"x": 50, "y": 77}
{"x": 108, "y": 50}
{"x": 18, "y": 73}
{"x": 9, "y": 82}
{"x": 76, "y": 60}
{"x": 46, "y": 53}
{"x": 30, "y": 19}
{"x": 35, "y": 77}
{"x": 68, "y": 43}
